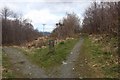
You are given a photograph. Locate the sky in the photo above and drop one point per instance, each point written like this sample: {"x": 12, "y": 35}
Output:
{"x": 47, "y": 12}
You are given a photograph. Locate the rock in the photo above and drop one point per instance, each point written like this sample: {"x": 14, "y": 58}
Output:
{"x": 72, "y": 38}
{"x": 5, "y": 54}
{"x": 73, "y": 68}
{"x": 29, "y": 67}
{"x": 86, "y": 61}
{"x": 64, "y": 62}
{"x": 67, "y": 38}
{"x": 80, "y": 77}
{"x": 95, "y": 65}
{"x": 43, "y": 47}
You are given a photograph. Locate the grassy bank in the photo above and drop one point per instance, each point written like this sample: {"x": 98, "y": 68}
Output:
{"x": 46, "y": 60}
{"x": 103, "y": 60}
{"x": 7, "y": 67}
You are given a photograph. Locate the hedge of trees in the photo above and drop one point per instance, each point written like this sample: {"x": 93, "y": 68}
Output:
{"x": 69, "y": 26}
{"x": 99, "y": 18}
{"x": 102, "y": 18}
{"x": 15, "y": 29}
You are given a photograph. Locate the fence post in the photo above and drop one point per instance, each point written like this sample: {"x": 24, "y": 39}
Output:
{"x": 51, "y": 44}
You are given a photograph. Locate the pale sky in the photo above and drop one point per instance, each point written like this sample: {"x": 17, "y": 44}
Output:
{"x": 46, "y": 11}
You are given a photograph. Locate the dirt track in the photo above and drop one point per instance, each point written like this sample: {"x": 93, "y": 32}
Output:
{"x": 23, "y": 65}
{"x": 67, "y": 70}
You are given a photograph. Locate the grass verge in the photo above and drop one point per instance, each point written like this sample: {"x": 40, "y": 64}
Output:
{"x": 101, "y": 60}
{"x": 6, "y": 64}
{"x": 42, "y": 58}
{"x": 8, "y": 70}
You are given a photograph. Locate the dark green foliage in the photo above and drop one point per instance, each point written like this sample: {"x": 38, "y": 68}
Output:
{"x": 62, "y": 43}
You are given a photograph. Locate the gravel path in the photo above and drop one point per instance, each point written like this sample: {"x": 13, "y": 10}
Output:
{"x": 22, "y": 65}
{"x": 67, "y": 68}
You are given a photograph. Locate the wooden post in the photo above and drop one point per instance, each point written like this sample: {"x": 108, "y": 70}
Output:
{"x": 51, "y": 44}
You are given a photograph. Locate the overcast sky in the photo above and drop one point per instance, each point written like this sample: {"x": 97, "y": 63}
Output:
{"x": 46, "y": 11}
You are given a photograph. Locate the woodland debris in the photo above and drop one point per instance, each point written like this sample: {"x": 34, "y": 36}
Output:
{"x": 38, "y": 43}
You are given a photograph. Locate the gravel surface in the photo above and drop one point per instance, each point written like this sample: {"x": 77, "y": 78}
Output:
{"x": 67, "y": 70}
{"x": 23, "y": 65}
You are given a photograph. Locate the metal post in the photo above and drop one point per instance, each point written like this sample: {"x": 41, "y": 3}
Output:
{"x": 43, "y": 28}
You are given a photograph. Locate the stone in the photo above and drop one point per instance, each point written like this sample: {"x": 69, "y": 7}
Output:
{"x": 64, "y": 62}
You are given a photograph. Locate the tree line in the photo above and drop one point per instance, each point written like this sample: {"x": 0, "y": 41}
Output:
{"x": 15, "y": 29}
{"x": 99, "y": 18}
{"x": 69, "y": 26}
{"x": 102, "y": 18}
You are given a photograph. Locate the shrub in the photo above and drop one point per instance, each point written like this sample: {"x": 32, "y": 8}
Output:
{"x": 62, "y": 42}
